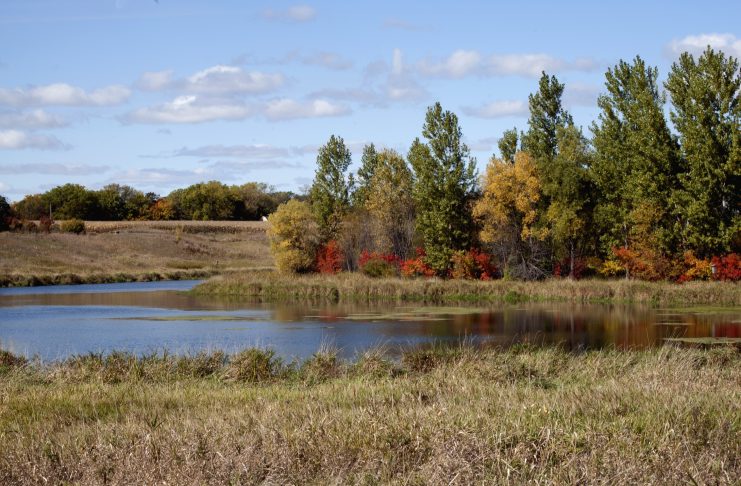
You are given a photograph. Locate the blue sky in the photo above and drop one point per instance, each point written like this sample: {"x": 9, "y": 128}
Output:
{"x": 162, "y": 94}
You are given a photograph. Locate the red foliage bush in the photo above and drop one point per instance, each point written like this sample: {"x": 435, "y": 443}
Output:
{"x": 472, "y": 264}
{"x": 727, "y": 267}
{"x": 367, "y": 256}
{"x": 329, "y": 258}
{"x": 416, "y": 267}
{"x": 644, "y": 265}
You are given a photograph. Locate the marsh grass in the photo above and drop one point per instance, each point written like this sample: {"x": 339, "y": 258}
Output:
{"x": 358, "y": 287}
{"x": 440, "y": 416}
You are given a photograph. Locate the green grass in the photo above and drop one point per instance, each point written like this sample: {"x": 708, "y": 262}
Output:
{"x": 437, "y": 416}
{"x": 357, "y": 287}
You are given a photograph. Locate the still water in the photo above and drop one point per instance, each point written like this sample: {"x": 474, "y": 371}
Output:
{"x": 56, "y": 322}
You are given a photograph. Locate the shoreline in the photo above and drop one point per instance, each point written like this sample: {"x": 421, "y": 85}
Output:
{"x": 45, "y": 280}
{"x": 273, "y": 286}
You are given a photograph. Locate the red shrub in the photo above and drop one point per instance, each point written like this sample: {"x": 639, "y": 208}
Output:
{"x": 329, "y": 258}
{"x": 367, "y": 256}
{"x": 416, "y": 267}
{"x": 472, "y": 264}
{"x": 562, "y": 268}
{"x": 727, "y": 267}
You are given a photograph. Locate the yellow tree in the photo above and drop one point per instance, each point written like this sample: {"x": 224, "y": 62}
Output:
{"x": 294, "y": 237}
{"x": 507, "y": 213}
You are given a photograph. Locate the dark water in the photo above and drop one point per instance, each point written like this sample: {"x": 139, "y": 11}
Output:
{"x": 55, "y": 322}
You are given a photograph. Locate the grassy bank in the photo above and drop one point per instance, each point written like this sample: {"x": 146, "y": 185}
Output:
{"x": 458, "y": 416}
{"x": 133, "y": 251}
{"x": 349, "y": 287}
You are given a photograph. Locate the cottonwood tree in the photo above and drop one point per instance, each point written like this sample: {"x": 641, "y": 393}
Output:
{"x": 330, "y": 191}
{"x": 508, "y": 145}
{"x": 445, "y": 178}
{"x": 390, "y": 203}
{"x": 706, "y": 112}
{"x": 636, "y": 161}
{"x": 368, "y": 164}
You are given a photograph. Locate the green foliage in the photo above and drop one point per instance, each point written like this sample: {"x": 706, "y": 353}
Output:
{"x": 546, "y": 116}
{"x": 706, "y": 112}
{"x": 508, "y": 145}
{"x": 636, "y": 162}
{"x": 330, "y": 191}
{"x": 368, "y": 164}
{"x": 294, "y": 237}
{"x": 378, "y": 268}
{"x": 76, "y": 226}
{"x": 118, "y": 203}
{"x": 445, "y": 176}
{"x": 70, "y": 201}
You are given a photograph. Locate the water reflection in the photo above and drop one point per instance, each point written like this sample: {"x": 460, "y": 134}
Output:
{"x": 54, "y": 325}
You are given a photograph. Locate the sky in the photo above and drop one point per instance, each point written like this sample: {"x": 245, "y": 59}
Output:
{"x": 161, "y": 94}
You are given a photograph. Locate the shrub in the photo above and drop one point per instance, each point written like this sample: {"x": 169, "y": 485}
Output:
{"x": 377, "y": 265}
{"x": 29, "y": 227}
{"x": 644, "y": 265}
{"x": 473, "y": 265}
{"x": 693, "y": 268}
{"x": 562, "y": 268}
{"x": 417, "y": 267}
{"x": 45, "y": 223}
{"x": 293, "y": 237}
{"x": 727, "y": 267}
{"x": 76, "y": 226}
{"x": 329, "y": 258}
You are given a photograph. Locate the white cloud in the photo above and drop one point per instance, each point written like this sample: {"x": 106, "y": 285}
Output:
{"x": 215, "y": 80}
{"x": 288, "y": 109}
{"x": 53, "y": 169}
{"x": 329, "y": 60}
{"x": 64, "y": 95}
{"x": 189, "y": 109}
{"x": 696, "y": 44}
{"x": 155, "y": 80}
{"x": 17, "y": 140}
{"x": 401, "y": 85}
{"x": 295, "y": 13}
{"x": 460, "y": 63}
{"x": 223, "y": 79}
{"x": 498, "y": 109}
{"x": 258, "y": 151}
{"x": 30, "y": 120}
{"x": 467, "y": 62}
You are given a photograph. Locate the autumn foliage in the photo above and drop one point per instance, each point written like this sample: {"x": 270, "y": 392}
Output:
{"x": 329, "y": 258}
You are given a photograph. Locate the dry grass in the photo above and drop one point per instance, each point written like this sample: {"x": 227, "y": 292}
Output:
{"x": 130, "y": 251}
{"x": 357, "y": 287}
{"x": 461, "y": 416}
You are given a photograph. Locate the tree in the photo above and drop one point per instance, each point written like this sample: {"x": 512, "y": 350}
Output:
{"x": 508, "y": 145}
{"x": 636, "y": 160}
{"x": 294, "y": 237}
{"x": 5, "y": 213}
{"x": 70, "y": 201}
{"x": 368, "y": 164}
{"x": 706, "y": 112}
{"x": 507, "y": 212}
{"x": 390, "y": 204}
{"x": 330, "y": 191}
{"x": 204, "y": 201}
{"x": 445, "y": 178}
{"x": 569, "y": 210}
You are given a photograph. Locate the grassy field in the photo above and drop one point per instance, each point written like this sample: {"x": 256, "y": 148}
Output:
{"x": 130, "y": 251}
{"x": 456, "y": 416}
{"x": 357, "y": 287}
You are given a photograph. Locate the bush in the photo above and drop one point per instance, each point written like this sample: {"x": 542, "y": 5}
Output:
{"x": 76, "y": 226}
{"x": 417, "y": 267}
{"x": 693, "y": 268}
{"x": 727, "y": 267}
{"x": 472, "y": 265}
{"x": 329, "y": 258}
{"x": 378, "y": 265}
{"x": 293, "y": 237}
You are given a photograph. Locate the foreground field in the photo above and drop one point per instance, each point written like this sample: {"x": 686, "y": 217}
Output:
{"x": 357, "y": 287}
{"x": 667, "y": 415}
{"x": 131, "y": 251}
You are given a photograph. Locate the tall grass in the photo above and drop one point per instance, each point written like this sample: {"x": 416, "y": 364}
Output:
{"x": 438, "y": 416}
{"x": 354, "y": 286}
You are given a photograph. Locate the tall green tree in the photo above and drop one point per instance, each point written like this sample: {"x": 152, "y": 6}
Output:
{"x": 508, "y": 145}
{"x": 445, "y": 179}
{"x": 330, "y": 191}
{"x": 636, "y": 161}
{"x": 706, "y": 112}
{"x": 368, "y": 165}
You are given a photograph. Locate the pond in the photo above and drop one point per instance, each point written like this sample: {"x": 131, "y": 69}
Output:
{"x": 56, "y": 322}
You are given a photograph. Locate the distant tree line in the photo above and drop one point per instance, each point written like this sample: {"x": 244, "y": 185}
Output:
{"x": 114, "y": 202}
{"x": 642, "y": 197}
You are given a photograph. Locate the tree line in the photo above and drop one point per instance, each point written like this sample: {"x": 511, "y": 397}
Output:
{"x": 114, "y": 202}
{"x": 640, "y": 195}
